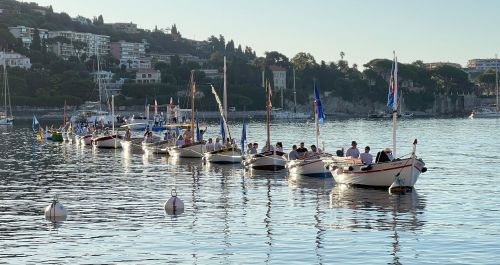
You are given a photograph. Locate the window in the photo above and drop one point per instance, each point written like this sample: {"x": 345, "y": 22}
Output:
{"x": 149, "y": 75}
{"x": 143, "y": 75}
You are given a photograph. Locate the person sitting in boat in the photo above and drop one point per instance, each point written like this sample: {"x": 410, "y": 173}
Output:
{"x": 218, "y": 146}
{"x": 180, "y": 141}
{"x": 314, "y": 150}
{"x": 146, "y": 132}
{"x": 188, "y": 136}
{"x": 340, "y": 152}
{"x": 255, "y": 149}
{"x": 279, "y": 147}
{"x": 149, "y": 137}
{"x": 293, "y": 155}
{"x": 302, "y": 150}
{"x": 209, "y": 146}
{"x": 249, "y": 148}
{"x": 128, "y": 134}
{"x": 106, "y": 132}
{"x": 267, "y": 148}
{"x": 353, "y": 150}
{"x": 383, "y": 156}
{"x": 366, "y": 157}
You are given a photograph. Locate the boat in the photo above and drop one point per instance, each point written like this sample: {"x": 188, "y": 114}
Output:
{"x": 109, "y": 141}
{"x": 229, "y": 154}
{"x": 400, "y": 172}
{"x": 194, "y": 149}
{"x": 268, "y": 160}
{"x": 6, "y": 117}
{"x": 313, "y": 165}
{"x": 492, "y": 111}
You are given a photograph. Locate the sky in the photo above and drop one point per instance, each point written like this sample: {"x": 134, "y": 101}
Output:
{"x": 427, "y": 30}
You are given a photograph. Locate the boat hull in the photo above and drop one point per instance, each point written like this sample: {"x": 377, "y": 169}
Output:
{"x": 379, "y": 175}
{"x": 57, "y": 137}
{"x": 194, "y": 150}
{"x": 112, "y": 141}
{"x": 266, "y": 161}
{"x": 156, "y": 147}
{"x": 6, "y": 121}
{"x": 315, "y": 167}
{"x": 228, "y": 156}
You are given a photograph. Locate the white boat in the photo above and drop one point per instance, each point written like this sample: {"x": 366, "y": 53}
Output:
{"x": 228, "y": 155}
{"x": 194, "y": 150}
{"x": 158, "y": 147}
{"x": 315, "y": 166}
{"x": 133, "y": 145}
{"x": 272, "y": 160}
{"x": 109, "y": 141}
{"x": 402, "y": 173}
{"x": 6, "y": 117}
{"x": 86, "y": 139}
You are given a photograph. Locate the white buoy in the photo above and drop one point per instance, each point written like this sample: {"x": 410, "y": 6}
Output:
{"x": 55, "y": 212}
{"x": 174, "y": 205}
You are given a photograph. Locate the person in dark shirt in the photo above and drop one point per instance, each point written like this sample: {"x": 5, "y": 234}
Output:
{"x": 302, "y": 149}
{"x": 383, "y": 156}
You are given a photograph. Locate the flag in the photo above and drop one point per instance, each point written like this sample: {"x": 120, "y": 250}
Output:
{"x": 243, "y": 136}
{"x": 222, "y": 131}
{"x": 198, "y": 133}
{"x": 194, "y": 88}
{"x": 318, "y": 107}
{"x": 35, "y": 124}
{"x": 177, "y": 131}
{"x": 393, "y": 87}
{"x": 269, "y": 93}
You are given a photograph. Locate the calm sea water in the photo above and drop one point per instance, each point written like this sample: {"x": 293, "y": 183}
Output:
{"x": 115, "y": 202}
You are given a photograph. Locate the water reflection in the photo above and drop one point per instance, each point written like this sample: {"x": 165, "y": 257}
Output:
{"x": 378, "y": 210}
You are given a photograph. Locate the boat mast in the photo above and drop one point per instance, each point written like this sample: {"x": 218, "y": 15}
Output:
{"x": 113, "y": 115}
{"x": 98, "y": 73}
{"x": 294, "y": 94}
{"x": 316, "y": 125}
{"x": 5, "y": 83}
{"x": 225, "y": 89}
{"x": 193, "y": 91}
{"x": 395, "y": 107}
{"x": 64, "y": 116}
{"x": 268, "y": 113}
{"x": 496, "y": 80}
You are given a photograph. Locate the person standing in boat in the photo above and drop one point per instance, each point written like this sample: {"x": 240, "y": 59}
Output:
{"x": 353, "y": 150}
{"x": 293, "y": 155}
{"x": 366, "y": 157}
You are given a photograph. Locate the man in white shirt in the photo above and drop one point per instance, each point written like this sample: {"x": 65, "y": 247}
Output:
{"x": 218, "y": 145}
{"x": 366, "y": 157}
{"x": 209, "y": 146}
{"x": 353, "y": 150}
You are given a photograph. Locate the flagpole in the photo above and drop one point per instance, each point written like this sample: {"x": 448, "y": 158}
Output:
{"x": 316, "y": 125}
{"x": 268, "y": 109}
{"x": 395, "y": 106}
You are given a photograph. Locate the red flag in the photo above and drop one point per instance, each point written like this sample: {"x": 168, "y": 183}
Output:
{"x": 194, "y": 88}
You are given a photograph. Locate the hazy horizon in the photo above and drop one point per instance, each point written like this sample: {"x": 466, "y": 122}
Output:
{"x": 444, "y": 31}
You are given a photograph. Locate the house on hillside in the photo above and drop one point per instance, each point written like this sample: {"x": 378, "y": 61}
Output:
{"x": 279, "y": 77}
{"x": 148, "y": 76}
{"x": 13, "y": 59}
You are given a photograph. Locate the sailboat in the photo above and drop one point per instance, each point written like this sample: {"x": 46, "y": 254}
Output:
{"x": 402, "y": 171}
{"x": 485, "y": 112}
{"x": 229, "y": 154}
{"x": 313, "y": 164}
{"x": 113, "y": 140}
{"x": 269, "y": 159}
{"x": 6, "y": 117}
{"x": 194, "y": 149}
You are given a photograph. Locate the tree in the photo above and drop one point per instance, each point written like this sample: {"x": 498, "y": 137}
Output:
{"x": 36, "y": 43}
{"x": 303, "y": 60}
{"x": 100, "y": 20}
{"x": 342, "y": 54}
{"x": 230, "y": 46}
{"x": 276, "y": 58}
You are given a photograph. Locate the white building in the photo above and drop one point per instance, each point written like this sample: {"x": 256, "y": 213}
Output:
{"x": 136, "y": 63}
{"x": 480, "y": 65}
{"x": 431, "y": 66}
{"x": 26, "y": 34}
{"x": 128, "y": 50}
{"x": 279, "y": 77}
{"x": 212, "y": 73}
{"x": 146, "y": 76}
{"x": 95, "y": 43}
{"x": 63, "y": 50}
{"x": 13, "y": 59}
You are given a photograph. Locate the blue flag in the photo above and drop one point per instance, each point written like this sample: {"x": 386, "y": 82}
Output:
{"x": 243, "y": 136}
{"x": 177, "y": 131}
{"x": 393, "y": 88}
{"x": 198, "y": 133}
{"x": 222, "y": 131}
{"x": 318, "y": 106}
